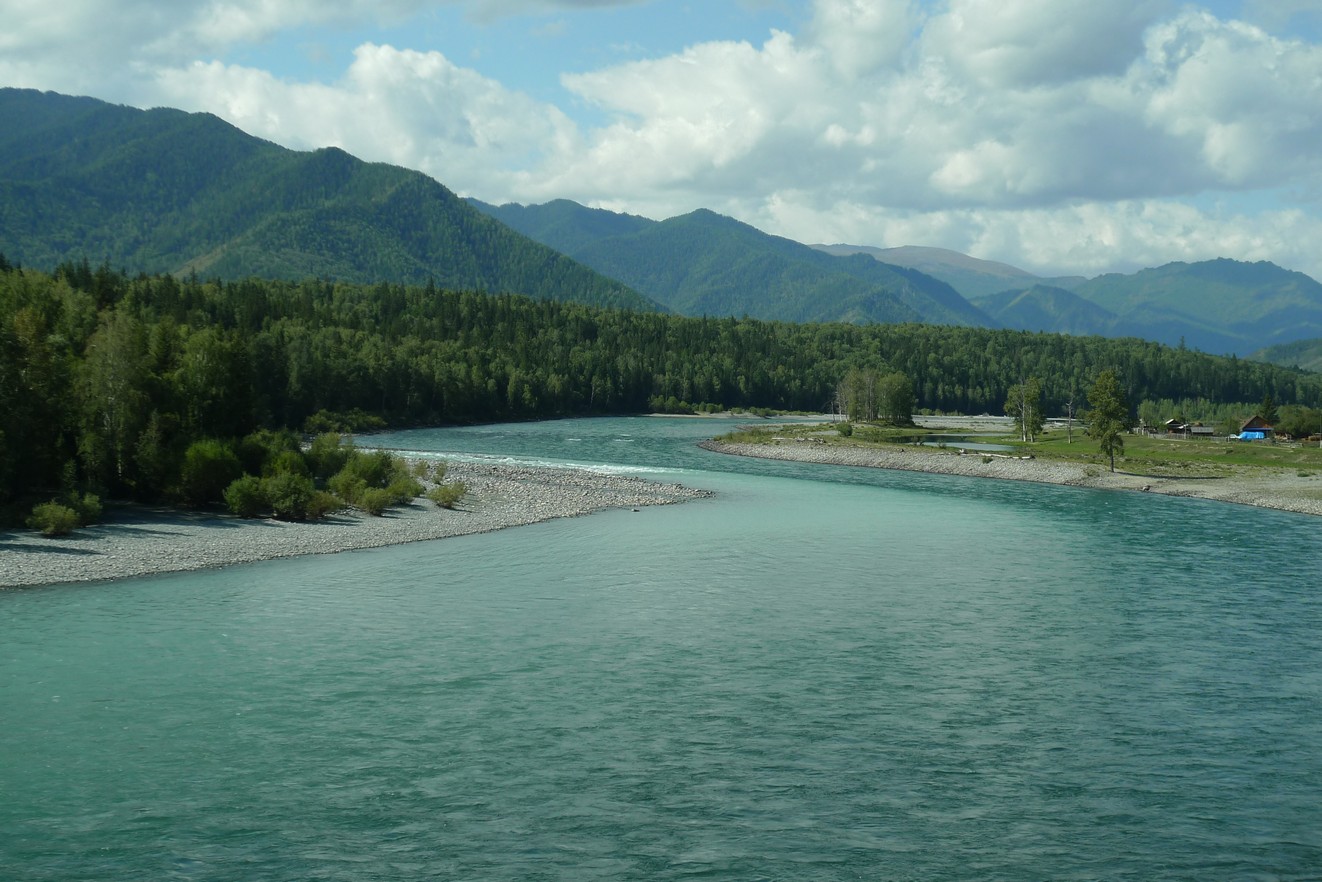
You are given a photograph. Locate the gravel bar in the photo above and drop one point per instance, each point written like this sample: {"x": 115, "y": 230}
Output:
{"x": 1281, "y": 489}
{"x": 138, "y": 541}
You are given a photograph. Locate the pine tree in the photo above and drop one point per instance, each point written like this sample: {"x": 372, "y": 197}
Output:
{"x": 1108, "y": 418}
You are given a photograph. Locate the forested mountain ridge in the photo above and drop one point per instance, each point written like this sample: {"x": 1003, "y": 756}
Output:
{"x": 1305, "y": 354}
{"x": 1218, "y": 306}
{"x": 168, "y": 191}
{"x": 1055, "y": 310}
{"x": 703, "y": 263}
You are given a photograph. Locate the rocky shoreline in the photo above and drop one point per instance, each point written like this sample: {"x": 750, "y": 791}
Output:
{"x": 138, "y": 541}
{"x": 1265, "y": 488}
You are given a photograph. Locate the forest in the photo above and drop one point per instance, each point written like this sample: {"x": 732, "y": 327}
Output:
{"x": 107, "y": 379}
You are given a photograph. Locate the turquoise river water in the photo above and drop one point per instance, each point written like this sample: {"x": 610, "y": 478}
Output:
{"x": 821, "y": 673}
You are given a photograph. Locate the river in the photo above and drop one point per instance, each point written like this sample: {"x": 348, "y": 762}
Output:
{"x": 821, "y": 673}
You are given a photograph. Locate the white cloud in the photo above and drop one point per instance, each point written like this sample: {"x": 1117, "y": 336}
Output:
{"x": 1013, "y": 44}
{"x": 415, "y": 109}
{"x": 1059, "y": 133}
{"x": 861, "y": 36}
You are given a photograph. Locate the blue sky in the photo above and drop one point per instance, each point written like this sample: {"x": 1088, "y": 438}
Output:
{"x": 1063, "y": 136}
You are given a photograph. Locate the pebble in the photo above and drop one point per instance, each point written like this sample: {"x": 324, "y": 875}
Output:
{"x": 137, "y": 541}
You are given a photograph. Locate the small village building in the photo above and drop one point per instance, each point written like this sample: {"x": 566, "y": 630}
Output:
{"x": 1257, "y": 429}
{"x": 1189, "y": 430}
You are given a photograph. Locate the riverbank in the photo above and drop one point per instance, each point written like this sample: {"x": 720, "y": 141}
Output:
{"x": 1264, "y": 488}
{"x": 139, "y": 541}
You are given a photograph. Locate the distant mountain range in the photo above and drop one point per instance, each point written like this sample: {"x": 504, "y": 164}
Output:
{"x": 167, "y": 191}
{"x": 1217, "y": 306}
{"x": 969, "y": 276}
{"x": 704, "y": 263}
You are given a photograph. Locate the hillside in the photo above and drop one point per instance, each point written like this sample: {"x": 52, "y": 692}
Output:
{"x": 1218, "y": 306}
{"x": 1047, "y": 308}
{"x": 168, "y": 191}
{"x": 970, "y": 276}
{"x": 1305, "y": 354}
{"x": 703, "y": 263}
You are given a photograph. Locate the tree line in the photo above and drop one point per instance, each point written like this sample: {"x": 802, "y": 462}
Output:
{"x": 107, "y": 379}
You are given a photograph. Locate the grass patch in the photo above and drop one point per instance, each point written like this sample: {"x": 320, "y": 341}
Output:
{"x": 1155, "y": 456}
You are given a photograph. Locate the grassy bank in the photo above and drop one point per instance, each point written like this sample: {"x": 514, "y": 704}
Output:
{"x": 1155, "y": 456}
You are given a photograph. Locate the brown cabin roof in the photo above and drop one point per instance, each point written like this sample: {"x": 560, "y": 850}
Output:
{"x": 1256, "y": 424}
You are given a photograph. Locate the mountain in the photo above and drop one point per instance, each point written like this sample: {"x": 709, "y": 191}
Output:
{"x": 1047, "y": 308}
{"x": 703, "y": 263}
{"x": 1306, "y": 354}
{"x": 167, "y": 191}
{"x": 1219, "y": 306}
{"x": 970, "y": 276}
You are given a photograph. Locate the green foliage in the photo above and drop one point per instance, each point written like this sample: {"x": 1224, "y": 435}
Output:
{"x": 288, "y": 461}
{"x": 210, "y": 465}
{"x": 422, "y": 356}
{"x": 328, "y": 422}
{"x": 87, "y": 507}
{"x": 403, "y": 489}
{"x": 1108, "y": 416}
{"x": 1300, "y": 422}
{"x": 375, "y": 500}
{"x": 705, "y": 264}
{"x": 347, "y": 486}
{"x": 291, "y": 496}
{"x": 246, "y": 497}
{"x": 433, "y": 470}
{"x": 374, "y": 468}
{"x": 327, "y": 454}
{"x": 447, "y": 495}
{"x": 1267, "y": 410}
{"x": 323, "y": 504}
{"x": 158, "y": 189}
{"x": 367, "y": 477}
{"x": 1024, "y": 405}
{"x": 53, "y": 519}
{"x": 868, "y": 395}
{"x": 846, "y": 430}
{"x": 259, "y": 450}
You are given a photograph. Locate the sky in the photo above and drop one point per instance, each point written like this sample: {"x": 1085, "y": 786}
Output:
{"x": 1062, "y": 136}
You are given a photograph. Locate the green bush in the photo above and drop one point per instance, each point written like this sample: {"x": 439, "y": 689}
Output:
{"x": 290, "y": 461}
{"x": 327, "y": 455}
{"x": 424, "y": 470}
{"x": 403, "y": 489}
{"x": 447, "y": 495}
{"x": 209, "y": 467}
{"x": 256, "y": 451}
{"x": 290, "y": 495}
{"x": 87, "y": 507}
{"x": 375, "y": 500}
{"x": 356, "y": 420}
{"x": 845, "y": 429}
{"x": 322, "y": 504}
{"x": 376, "y": 468}
{"x": 348, "y": 487}
{"x": 246, "y": 497}
{"x": 53, "y": 519}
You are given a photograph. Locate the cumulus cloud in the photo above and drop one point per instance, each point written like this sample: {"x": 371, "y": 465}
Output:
{"x": 1069, "y": 135}
{"x": 415, "y": 109}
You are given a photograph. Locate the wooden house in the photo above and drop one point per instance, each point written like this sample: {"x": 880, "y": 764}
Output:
{"x": 1256, "y": 429}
